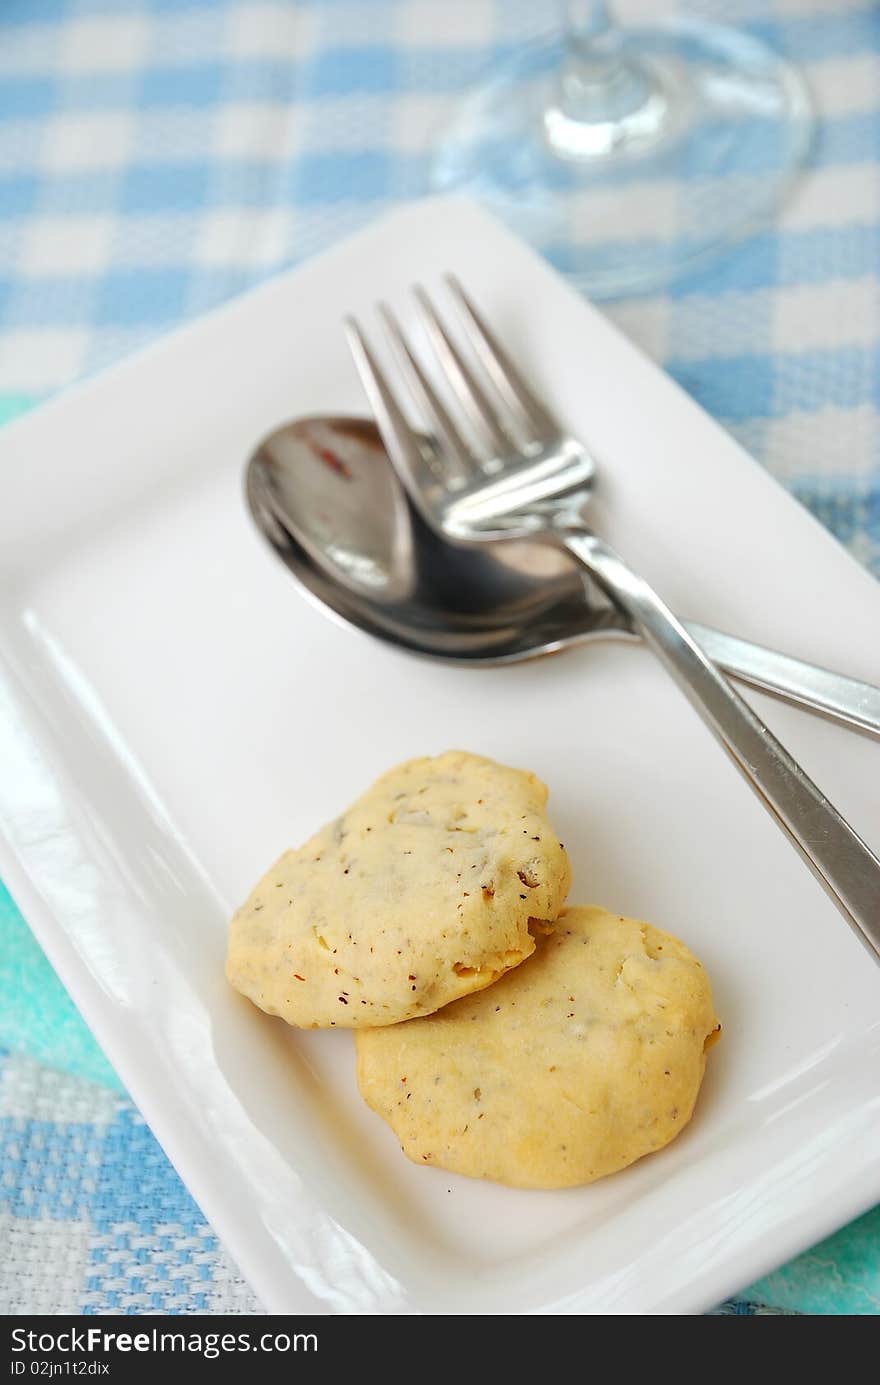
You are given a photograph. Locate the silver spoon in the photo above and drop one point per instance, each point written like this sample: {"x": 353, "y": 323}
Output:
{"x": 323, "y": 493}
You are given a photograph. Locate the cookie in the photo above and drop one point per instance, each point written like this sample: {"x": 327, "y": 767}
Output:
{"x": 587, "y": 1057}
{"x": 424, "y": 891}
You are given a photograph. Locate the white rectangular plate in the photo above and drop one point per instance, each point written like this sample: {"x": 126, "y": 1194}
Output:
{"x": 175, "y": 714}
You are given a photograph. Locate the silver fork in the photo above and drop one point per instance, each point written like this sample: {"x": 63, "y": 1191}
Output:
{"x": 503, "y": 467}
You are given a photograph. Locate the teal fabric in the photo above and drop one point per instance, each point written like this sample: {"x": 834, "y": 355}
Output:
{"x": 37, "y": 1016}
{"x": 11, "y": 405}
{"x": 839, "y": 1276}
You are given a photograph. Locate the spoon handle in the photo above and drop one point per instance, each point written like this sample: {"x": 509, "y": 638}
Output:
{"x": 842, "y": 862}
{"x": 848, "y": 701}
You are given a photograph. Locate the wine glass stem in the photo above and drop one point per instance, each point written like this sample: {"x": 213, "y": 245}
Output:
{"x": 587, "y": 20}
{"x": 604, "y": 100}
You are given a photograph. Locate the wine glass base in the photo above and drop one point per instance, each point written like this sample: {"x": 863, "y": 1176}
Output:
{"x": 733, "y": 127}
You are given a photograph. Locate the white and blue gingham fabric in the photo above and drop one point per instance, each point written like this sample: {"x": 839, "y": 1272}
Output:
{"x": 158, "y": 156}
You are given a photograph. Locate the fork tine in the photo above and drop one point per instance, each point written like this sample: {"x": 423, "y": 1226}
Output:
{"x": 504, "y": 374}
{"x": 399, "y": 438}
{"x": 483, "y": 416}
{"x": 460, "y": 461}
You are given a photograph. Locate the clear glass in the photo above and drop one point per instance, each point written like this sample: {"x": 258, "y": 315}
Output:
{"x": 627, "y": 156}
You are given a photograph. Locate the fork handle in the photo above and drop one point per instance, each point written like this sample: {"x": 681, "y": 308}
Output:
{"x": 847, "y": 701}
{"x": 842, "y": 862}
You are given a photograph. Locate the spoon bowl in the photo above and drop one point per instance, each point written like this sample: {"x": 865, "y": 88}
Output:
{"x": 323, "y": 493}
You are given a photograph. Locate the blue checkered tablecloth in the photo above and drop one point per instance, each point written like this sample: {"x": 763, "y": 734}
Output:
{"x": 158, "y": 156}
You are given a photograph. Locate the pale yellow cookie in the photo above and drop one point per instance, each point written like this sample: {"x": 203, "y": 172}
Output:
{"x": 585, "y": 1058}
{"x": 422, "y": 892}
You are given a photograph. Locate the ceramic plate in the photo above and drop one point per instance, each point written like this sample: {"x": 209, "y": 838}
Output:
{"x": 175, "y": 714}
